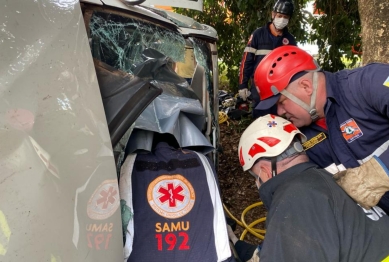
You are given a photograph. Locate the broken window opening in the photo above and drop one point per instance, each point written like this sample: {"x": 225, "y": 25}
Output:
{"x": 202, "y": 55}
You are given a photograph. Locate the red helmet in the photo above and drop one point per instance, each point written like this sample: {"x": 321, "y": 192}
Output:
{"x": 274, "y": 72}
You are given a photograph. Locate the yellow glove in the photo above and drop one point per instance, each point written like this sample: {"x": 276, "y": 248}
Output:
{"x": 365, "y": 184}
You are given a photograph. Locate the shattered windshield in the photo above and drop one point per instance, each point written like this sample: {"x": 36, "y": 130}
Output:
{"x": 119, "y": 41}
{"x": 203, "y": 57}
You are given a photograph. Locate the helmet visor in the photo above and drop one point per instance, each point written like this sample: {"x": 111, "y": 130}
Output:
{"x": 267, "y": 103}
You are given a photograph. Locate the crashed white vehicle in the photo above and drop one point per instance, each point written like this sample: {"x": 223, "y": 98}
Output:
{"x": 77, "y": 80}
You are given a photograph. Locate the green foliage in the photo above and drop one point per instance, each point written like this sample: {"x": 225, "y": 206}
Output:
{"x": 224, "y": 82}
{"x": 349, "y": 63}
{"x": 235, "y": 20}
{"x": 335, "y": 32}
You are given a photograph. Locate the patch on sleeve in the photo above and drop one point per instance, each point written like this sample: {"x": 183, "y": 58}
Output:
{"x": 350, "y": 130}
{"x": 386, "y": 83}
{"x": 314, "y": 141}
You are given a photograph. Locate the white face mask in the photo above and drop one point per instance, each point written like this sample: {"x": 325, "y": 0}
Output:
{"x": 280, "y": 23}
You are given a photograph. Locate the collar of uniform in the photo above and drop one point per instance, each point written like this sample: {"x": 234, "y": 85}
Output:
{"x": 331, "y": 84}
{"x": 267, "y": 190}
{"x": 162, "y": 145}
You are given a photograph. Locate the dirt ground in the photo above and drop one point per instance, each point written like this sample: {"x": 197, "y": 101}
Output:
{"x": 238, "y": 188}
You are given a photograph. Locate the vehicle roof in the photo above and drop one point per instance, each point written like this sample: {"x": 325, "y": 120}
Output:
{"x": 187, "y": 25}
{"x": 132, "y": 8}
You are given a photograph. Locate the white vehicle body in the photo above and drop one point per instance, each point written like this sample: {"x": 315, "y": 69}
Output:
{"x": 58, "y": 172}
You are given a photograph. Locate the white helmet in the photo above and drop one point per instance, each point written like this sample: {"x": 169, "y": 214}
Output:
{"x": 268, "y": 136}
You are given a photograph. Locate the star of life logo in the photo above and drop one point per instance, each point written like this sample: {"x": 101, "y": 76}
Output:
{"x": 272, "y": 124}
{"x": 104, "y": 201}
{"x": 171, "y": 196}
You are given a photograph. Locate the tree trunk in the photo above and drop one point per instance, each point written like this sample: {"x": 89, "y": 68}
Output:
{"x": 375, "y": 30}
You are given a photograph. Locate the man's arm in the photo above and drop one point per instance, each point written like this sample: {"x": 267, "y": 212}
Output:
{"x": 248, "y": 62}
{"x": 375, "y": 88}
{"x": 367, "y": 183}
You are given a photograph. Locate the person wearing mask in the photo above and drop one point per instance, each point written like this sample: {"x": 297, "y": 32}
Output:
{"x": 310, "y": 218}
{"x": 261, "y": 42}
{"x": 345, "y": 116}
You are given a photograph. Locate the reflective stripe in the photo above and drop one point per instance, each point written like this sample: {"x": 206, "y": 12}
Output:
{"x": 125, "y": 190}
{"x": 220, "y": 230}
{"x": 376, "y": 152}
{"x": 255, "y": 51}
{"x": 250, "y": 50}
{"x": 241, "y": 72}
{"x": 333, "y": 169}
{"x": 262, "y": 52}
{"x": 386, "y": 259}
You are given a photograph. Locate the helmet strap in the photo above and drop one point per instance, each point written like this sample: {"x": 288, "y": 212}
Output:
{"x": 274, "y": 166}
{"x": 294, "y": 148}
{"x": 310, "y": 109}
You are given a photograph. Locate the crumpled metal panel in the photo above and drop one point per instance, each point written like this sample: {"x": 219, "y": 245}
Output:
{"x": 59, "y": 199}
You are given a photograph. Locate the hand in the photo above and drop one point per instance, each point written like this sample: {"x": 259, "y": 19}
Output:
{"x": 365, "y": 184}
{"x": 244, "y": 93}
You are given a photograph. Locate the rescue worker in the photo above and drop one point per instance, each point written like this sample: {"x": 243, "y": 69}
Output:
{"x": 171, "y": 206}
{"x": 261, "y": 42}
{"x": 310, "y": 218}
{"x": 345, "y": 116}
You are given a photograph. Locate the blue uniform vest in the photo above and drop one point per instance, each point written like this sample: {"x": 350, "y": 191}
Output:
{"x": 173, "y": 210}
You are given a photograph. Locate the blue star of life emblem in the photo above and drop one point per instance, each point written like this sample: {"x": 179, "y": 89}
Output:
{"x": 272, "y": 123}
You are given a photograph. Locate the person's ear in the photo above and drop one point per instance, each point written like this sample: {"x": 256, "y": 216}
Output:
{"x": 306, "y": 85}
{"x": 273, "y": 14}
{"x": 266, "y": 172}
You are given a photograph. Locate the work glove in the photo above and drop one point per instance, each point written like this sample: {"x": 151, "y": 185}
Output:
{"x": 244, "y": 93}
{"x": 365, "y": 184}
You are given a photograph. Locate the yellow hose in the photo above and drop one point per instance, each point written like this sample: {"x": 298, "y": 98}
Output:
{"x": 259, "y": 233}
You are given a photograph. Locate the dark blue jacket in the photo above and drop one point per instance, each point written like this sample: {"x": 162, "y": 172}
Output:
{"x": 357, "y": 119}
{"x": 261, "y": 42}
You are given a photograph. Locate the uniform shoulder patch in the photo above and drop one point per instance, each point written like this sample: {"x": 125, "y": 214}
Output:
{"x": 386, "y": 83}
{"x": 350, "y": 130}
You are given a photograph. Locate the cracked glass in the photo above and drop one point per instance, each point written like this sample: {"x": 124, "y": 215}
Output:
{"x": 119, "y": 41}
